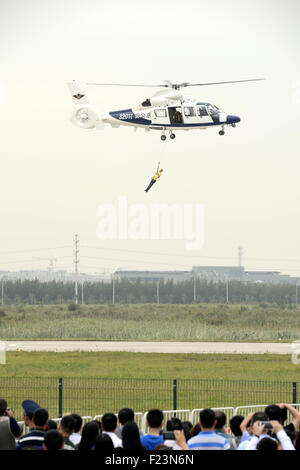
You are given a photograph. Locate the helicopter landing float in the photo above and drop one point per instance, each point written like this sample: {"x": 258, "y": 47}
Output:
{"x": 168, "y": 110}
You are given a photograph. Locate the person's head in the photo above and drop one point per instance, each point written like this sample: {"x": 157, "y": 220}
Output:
{"x": 174, "y": 424}
{"x": 220, "y": 420}
{"x": 124, "y": 415}
{"x": 99, "y": 424}
{"x": 53, "y": 440}
{"x": 274, "y": 413}
{"x": 155, "y": 418}
{"x": 3, "y": 407}
{"x": 162, "y": 447}
{"x": 259, "y": 416}
{"x": 40, "y": 418}
{"x": 267, "y": 444}
{"x": 188, "y": 424}
{"x": 109, "y": 422}
{"x": 131, "y": 436}
{"x": 90, "y": 432}
{"x": 51, "y": 424}
{"x": 67, "y": 425}
{"x": 29, "y": 407}
{"x": 235, "y": 424}
{"x": 104, "y": 444}
{"x": 78, "y": 422}
{"x": 161, "y": 170}
{"x": 284, "y": 415}
{"x": 207, "y": 419}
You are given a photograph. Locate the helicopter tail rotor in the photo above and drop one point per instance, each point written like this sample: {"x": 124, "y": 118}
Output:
{"x": 83, "y": 115}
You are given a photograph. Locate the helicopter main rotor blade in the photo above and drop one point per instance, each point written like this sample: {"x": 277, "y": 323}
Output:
{"x": 127, "y": 84}
{"x": 176, "y": 86}
{"x": 219, "y": 83}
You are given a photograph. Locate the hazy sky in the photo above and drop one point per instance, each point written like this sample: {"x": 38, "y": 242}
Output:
{"x": 54, "y": 175}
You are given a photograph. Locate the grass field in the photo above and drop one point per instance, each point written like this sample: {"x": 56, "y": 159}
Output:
{"x": 97, "y": 382}
{"x": 152, "y": 322}
{"x": 146, "y": 365}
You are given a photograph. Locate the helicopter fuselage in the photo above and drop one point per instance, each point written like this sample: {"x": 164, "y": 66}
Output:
{"x": 180, "y": 116}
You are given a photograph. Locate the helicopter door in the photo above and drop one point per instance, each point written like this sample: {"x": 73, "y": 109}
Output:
{"x": 203, "y": 115}
{"x": 160, "y": 116}
{"x": 175, "y": 114}
{"x": 190, "y": 114}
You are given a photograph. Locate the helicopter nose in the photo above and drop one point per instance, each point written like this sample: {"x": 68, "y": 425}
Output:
{"x": 231, "y": 119}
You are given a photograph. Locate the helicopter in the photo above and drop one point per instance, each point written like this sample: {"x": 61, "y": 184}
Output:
{"x": 168, "y": 110}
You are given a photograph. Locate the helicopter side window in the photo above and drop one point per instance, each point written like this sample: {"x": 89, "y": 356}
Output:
{"x": 189, "y": 111}
{"x": 160, "y": 113}
{"x": 202, "y": 111}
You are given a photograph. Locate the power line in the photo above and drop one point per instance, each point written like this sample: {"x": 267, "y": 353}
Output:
{"x": 34, "y": 250}
{"x": 152, "y": 253}
{"x": 159, "y": 253}
{"x": 32, "y": 260}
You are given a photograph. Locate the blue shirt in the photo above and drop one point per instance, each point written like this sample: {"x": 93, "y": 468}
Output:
{"x": 150, "y": 441}
{"x": 34, "y": 438}
{"x": 245, "y": 436}
{"x": 208, "y": 440}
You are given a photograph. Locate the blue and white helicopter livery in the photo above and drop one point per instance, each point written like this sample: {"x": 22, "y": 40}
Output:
{"x": 168, "y": 110}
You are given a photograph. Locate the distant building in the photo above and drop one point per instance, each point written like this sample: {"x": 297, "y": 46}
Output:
{"x": 210, "y": 274}
{"x": 218, "y": 273}
{"x": 176, "y": 276}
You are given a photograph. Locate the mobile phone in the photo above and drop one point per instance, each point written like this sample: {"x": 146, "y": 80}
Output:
{"x": 168, "y": 435}
{"x": 267, "y": 424}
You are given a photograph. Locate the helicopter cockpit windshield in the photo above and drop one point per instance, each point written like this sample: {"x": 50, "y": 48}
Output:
{"x": 205, "y": 109}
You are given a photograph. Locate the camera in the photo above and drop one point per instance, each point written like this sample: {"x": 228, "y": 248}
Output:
{"x": 168, "y": 435}
{"x": 267, "y": 424}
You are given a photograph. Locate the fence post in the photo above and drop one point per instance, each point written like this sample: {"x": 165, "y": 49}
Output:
{"x": 294, "y": 392}
{"x": 60, "y": 395}
{"x": 174, "y": 394}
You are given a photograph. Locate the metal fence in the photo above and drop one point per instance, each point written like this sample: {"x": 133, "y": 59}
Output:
{"x": 183, "y": 415}
{"x": 95, "y": 396}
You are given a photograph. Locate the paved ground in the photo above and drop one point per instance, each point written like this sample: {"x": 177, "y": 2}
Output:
{"x": 151, "y": 347}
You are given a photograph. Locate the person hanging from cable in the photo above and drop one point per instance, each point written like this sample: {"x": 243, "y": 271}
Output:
{"x": 155, "y": 177}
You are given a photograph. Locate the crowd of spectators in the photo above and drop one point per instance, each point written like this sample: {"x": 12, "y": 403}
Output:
{"x": 264, "y": 430}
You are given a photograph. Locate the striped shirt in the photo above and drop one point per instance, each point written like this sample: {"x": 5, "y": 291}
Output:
{"x": 208, "y": 440}
{"x": 34, "y": 438}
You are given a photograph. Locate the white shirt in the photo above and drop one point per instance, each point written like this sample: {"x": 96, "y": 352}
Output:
{"x": 116, "y": 441}
{"x": 75, "y": 438}
{"x": 173, "y": 444}
{"x": 282, "y": 436}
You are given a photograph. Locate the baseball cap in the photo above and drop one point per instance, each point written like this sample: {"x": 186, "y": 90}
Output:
{"x": 29, "y": 407}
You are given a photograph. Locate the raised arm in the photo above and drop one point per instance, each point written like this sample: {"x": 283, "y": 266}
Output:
{"x": 244, "y": 424}
{"x": 282, "y": 436}
{"x": 295, "y": 413}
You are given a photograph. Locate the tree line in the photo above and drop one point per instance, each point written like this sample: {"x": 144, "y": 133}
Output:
{"x": 130, "y": 292}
